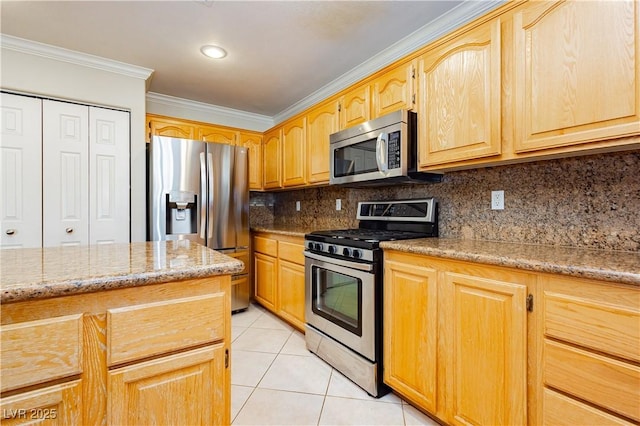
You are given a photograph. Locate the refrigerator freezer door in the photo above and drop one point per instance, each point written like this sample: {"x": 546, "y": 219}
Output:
{"x": 221, "y": 232}
{"x": 175, "y": 200}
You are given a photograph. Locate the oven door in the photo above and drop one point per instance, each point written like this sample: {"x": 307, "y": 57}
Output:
{"x": 340, "y": 301}
{"x": 373, "y": 155}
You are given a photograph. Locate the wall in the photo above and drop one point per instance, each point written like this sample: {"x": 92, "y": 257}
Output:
{"x": 590, "y": 202}
{"x": 35, "y": 74}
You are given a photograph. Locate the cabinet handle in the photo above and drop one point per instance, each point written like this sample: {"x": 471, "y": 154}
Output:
{"x": 11, "y": 231}
{"x": 69, "y": 230}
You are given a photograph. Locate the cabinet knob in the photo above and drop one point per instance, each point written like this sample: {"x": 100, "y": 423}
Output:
{"x": 69, "y": 230}
{"x": 11, "y": 231}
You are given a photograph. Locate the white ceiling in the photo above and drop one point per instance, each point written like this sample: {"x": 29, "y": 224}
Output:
{"x": 280, "y": 52}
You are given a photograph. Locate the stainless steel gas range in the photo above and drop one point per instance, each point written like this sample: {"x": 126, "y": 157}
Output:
{"x": 343, "y": 279}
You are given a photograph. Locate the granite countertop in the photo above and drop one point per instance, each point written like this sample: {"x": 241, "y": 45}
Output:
{"x": 29, "y": 274}
{"x": 606, "y": 265}
{"x": 288, "y": 230}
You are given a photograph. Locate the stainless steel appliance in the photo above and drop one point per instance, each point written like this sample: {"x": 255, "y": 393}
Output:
{"x": 198, "y": 191}
{"x": 343, "y": 286}
{"x": 379, "y": 152}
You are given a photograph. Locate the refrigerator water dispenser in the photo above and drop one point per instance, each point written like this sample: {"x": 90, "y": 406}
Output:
{"x": 182, "y": 212}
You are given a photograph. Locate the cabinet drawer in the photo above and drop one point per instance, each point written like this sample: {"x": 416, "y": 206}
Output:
{"x": 39, "y": 351}
{"x": 266, "y": 246}
{"x": 609, "y": 383}
{"x": 561, "y": 410}
{"x": 59, "y": 404}
{"x": 604, "y": 324}
{"x": 291, "y": 252}
{"x": 155, "y": 328}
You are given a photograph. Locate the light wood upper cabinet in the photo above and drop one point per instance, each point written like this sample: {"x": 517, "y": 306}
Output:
{"x": 253, "y": 142}
{"x": 166, "y": 126}
{"x": 217, "y": 134}
{"x": 322, "y": 121}
{"x": 459, "y": 105}
{"x": 271, "y": 156}
{"x": 577, "y": 72}
{"x": 294, "y": 152}
{"x": 355, "y": 106}
{"x": 394, "y": 90}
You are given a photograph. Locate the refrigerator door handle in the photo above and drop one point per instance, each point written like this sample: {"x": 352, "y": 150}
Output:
{"x": 203, "y": 191}
{"x": 210, "y": 197}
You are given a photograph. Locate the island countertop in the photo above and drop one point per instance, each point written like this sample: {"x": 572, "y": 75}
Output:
{"x": 29, "y": 274}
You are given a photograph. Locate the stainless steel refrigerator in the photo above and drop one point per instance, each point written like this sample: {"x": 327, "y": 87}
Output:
{"x": 199, "y": 191}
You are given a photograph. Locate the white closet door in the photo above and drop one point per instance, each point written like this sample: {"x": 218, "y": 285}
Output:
{"x": 65, "y": 147}
{"x": 20, "y": 172}
{"x": 109, "y": 176}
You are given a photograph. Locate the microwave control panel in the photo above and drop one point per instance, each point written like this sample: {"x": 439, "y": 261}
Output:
{"x": 393, "y": 150}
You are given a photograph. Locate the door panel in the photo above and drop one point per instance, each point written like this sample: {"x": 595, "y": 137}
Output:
{"x": 65, "y": 140}
{"x": 109, "y": 176}
{"x": 221, "y": 226}
{"x": 21, "y": 172}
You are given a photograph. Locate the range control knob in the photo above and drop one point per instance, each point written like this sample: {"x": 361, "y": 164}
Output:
{"x": 346, "y": 251}
{"x": 332, "y": 249}
{"x": 357, "y": 254}
{"x": 319, "y": 246}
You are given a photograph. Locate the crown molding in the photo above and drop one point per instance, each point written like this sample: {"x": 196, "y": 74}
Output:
{"x": 453, "y": 19}
{"x": 222, "y": 114}
{"x": 73, "y": 57}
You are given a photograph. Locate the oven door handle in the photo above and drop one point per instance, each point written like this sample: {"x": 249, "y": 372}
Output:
{"x": 353, "y": 265}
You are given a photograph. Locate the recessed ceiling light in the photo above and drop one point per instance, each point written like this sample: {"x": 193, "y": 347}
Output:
{"x": 211, "y": 51}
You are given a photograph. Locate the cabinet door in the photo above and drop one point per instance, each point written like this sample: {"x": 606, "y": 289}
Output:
{"x": 291, "y": 292}
{"x": 486, "y": 350}
{"x": 294, "y": 153}
{"x": 109, "y": 176}
{"x": 65, "y": 171}
{"x": 577, "y": 70}
{"x": 322, "y": 121}
{"x": 217, "y": 134}
{"x": 411, "y": 327}
{"x": 355, "y": 107}
{"x": 173, "y": 128}
{"x": 265, "y": 280}
{"x": 190, "y": 388}
{"x": 459, "y": 113}
{"x": 59, "y": 404}
{"x": 272, "y": 156}
{"x": 393, "y": 90}
{"x": 21, "y": 172}
{"x": 253, "y": 142}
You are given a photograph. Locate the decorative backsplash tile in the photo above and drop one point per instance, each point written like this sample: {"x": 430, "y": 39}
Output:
{"x": 591, "y": 202}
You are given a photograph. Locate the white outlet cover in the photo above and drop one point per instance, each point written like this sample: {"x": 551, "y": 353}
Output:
{"x": 497, "y": 200}
{"x": 338, "y": 204}
{"x": 297, "y": 206}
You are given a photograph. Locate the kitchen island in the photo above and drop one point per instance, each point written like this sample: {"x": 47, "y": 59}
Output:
{"x": 116, "y": 334}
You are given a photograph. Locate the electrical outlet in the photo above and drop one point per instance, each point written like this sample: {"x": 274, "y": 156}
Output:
{"x": 297, "y": 206}
{"x": 338, "y": 204}
{"x": 497, "y": 200}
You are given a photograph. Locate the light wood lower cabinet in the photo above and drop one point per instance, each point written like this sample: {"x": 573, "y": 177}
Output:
{"x": 185, "y": 388}
{"x": 455, "y": 338}
{"x": 486, "y": 345}
{"x": 157, "y": 354}
{"x": 590, "y": 351}
{"x": 279, "y": 276}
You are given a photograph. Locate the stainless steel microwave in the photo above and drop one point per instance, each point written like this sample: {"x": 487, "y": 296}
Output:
{"x": 379, "y": 152}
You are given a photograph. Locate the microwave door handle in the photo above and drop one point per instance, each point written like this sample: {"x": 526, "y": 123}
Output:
{"x": 203, "y": 198}
{"x": 382, "y": 152}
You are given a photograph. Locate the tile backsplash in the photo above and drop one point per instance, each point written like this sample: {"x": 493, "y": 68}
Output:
{"x": 590, "y": 202}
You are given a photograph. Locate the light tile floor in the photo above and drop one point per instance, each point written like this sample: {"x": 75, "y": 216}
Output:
{"x": 275, "y": 380}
